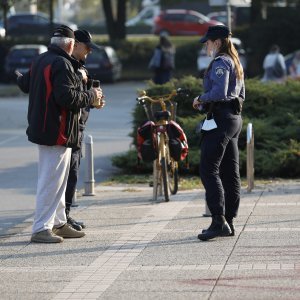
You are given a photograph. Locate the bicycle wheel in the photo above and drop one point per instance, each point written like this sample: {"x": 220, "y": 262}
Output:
{"x": 173, "y": 176}
{"x": 164, "y": 173}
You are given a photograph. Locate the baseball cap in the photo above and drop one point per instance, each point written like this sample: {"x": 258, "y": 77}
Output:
{"x": 64, "y": 31}
{"x": 83, "y": 36}
{"x": 216, "y": 32}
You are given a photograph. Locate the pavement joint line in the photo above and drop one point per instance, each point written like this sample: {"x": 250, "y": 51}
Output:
{"x": 235, "y": 244}
{"x": 115, "y": 272}
{"x": 162, "y": 215}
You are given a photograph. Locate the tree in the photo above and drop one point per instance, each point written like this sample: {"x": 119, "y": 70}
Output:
{"x": 5, "y": 5}
{"x": 115, "y": 15}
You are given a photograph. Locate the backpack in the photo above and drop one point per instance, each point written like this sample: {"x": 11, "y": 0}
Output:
{"x": 278, "y": 70}
{"x": 177, "y": 141}
{"x": 147, "y": 142}
{"x": 167, "y": 60}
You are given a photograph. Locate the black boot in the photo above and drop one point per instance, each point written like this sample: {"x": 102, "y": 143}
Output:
{"x": 230, "y": 223}
{"x": 218, "y": 227}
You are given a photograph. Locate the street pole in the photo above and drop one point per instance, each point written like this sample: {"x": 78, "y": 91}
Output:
{"x": 228, "y": 14}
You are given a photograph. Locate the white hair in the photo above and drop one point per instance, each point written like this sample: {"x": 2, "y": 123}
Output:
{"x": 62, "y": 42}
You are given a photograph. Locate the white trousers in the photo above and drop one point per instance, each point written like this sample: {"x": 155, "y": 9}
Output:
{"x": 53, "y": 171}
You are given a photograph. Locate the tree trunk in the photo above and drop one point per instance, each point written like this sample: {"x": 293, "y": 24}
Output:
{"x": 256, "y": 7}
{"x": 51, "y": 17}
{"x": 121, "y": 19}
{"x": 115, "y": 26}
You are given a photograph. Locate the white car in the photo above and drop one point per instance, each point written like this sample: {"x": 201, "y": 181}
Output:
{"x": 204, "y": 60}
{"x": 145, "y": 16}
{"x": 2, "y": 30}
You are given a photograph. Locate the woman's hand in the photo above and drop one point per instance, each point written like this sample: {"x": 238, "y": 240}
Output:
{"x": 196, "y": 103}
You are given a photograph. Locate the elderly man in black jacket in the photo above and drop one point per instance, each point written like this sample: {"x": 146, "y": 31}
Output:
{"x": 55, "y": 100}
{"x": 82, "y": 48}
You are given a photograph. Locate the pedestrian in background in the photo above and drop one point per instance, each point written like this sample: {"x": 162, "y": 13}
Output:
{"x": 224, "y": 92}
{"x": 82, "y": 48}
{"x": 55, "y": 100}
{"x": 294, "y": 68}
{"x": 274, "y": 66}
{"x": 162, "y": 62}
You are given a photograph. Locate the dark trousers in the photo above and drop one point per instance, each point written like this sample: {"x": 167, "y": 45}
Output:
{"x": 219, "y": 164}
{"x": 162, "y": 76}
{"x": 73, "y": 177}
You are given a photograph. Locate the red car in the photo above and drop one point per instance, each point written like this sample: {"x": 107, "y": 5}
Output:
{"x": 182, "y": 22}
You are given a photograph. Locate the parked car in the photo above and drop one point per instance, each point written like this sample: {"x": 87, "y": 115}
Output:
{"x": 204, "y": 60}
{"x": 182, "y": 22}
{"x": 31, "y": 24}
{"x": 145, "y": 17}
{"x": 20, "y": 58}
{"x": 221, "y": 16}
{"x": 103, "y": 64}
{"x": 2, "y": 30}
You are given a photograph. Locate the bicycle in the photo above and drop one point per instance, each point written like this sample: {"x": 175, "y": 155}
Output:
{"x": 165, "y": 167}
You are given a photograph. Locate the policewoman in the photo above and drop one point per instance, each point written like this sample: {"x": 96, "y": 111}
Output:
{"x": 224, "y": 92}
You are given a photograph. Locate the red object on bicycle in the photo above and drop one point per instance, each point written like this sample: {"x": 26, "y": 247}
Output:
{"x": 178, "y": 144}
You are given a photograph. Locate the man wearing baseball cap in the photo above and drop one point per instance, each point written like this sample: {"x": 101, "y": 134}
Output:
{"x": 82, "y": 47}
{"x": 55, "y": 100}
{"x": 83, "y": 36}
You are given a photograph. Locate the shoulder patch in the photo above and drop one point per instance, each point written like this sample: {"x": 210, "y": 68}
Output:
{"x": 220, "y": 71}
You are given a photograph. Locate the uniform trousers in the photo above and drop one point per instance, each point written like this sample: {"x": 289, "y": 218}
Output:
{"x": 219, "y": 164}
{"x": 53, "y": 170}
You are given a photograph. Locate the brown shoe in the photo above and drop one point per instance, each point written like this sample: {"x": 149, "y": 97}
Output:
{"x": 67, "y": 231}
{"x": 46, "y": 236}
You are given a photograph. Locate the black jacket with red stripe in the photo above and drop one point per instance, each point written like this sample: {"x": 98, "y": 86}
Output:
{"x": 55, "y": 98}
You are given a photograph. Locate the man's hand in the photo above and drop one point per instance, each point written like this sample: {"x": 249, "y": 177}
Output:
{"x": 98, "y": 96}
{"x": 18, "y": 73}
{"x": 101, "y": 105}
{"x": 84, "y": 75}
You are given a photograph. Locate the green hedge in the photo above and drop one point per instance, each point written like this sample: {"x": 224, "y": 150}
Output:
{"x": 273, "y": 109}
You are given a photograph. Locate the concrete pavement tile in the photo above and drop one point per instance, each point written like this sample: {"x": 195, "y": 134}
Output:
{"x": 194, "y": 295}
{"x": 277, "y": 220}
{"x": 28, "y": 296}
{"x": 162, "y": 285}
{"x": 260, "y": 284}
{"x": 277, "y": 210}
{"x": 169, "y": 274}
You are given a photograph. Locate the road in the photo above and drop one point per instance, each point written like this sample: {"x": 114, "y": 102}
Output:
{"x": 18, "y": 157}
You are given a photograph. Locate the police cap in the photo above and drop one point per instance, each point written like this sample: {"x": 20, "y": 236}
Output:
{"x": 216, "y": 32}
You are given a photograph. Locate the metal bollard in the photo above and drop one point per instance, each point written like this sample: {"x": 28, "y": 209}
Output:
{"x": 89, "y": 182}
{"x": 250, "y": 158}
{"x": 74, "y": 204}
{"x": 207, "y": 211}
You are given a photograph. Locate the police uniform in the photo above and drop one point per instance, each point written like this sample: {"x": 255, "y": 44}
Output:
{"x": 219, "y": 164}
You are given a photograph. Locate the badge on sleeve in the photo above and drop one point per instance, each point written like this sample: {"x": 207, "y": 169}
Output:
{"x": 220, "y": 72}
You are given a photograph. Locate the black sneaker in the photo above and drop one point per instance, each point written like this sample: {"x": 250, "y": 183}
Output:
{"x": 74, "y": 224}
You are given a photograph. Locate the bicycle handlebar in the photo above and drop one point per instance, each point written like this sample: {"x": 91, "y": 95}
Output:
{"x": 162, "y": 98}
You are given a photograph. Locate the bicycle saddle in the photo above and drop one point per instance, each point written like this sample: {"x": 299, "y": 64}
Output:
{"x": 162, "y": 115}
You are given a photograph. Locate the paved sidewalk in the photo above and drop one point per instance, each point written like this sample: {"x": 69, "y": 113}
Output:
{"x": 136, "y": 249}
